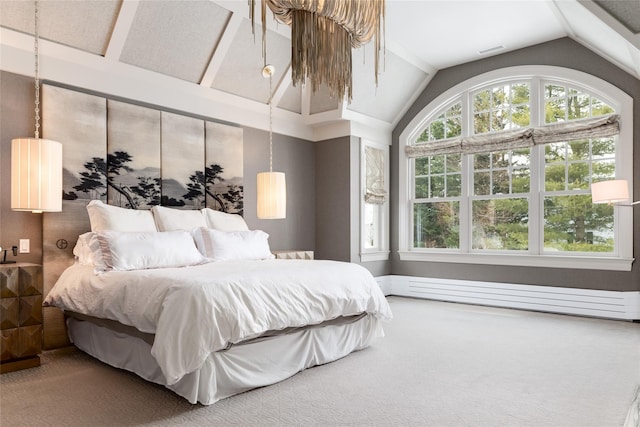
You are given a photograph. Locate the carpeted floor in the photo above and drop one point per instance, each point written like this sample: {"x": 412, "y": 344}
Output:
{"x": 440, "y": 364}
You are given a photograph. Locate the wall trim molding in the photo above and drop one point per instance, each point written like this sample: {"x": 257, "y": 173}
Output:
{"x": 584, "y": 302}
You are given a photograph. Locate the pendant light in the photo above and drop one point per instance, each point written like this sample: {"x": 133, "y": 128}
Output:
{"x": 272, "y": 192}
{"x": 36, "y": 164}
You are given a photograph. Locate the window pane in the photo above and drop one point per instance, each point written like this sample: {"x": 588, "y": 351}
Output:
{"x": 574, "y": 224}
{"x": 500, "y": 182}
{"x": 578, "y": 107}
{"x": 371, "y": 239}
{"x": 604, "y": 170}
{"x": 437, "y": 164}
{"x": 554, "y": 178}
{"x": 500, "y": 120}
{"x": 454, "y": 185}
{"x": 481, "y": 161}
{"x": 555, "y": 110}
{"x": 437, "y": 186}
{"x": 481, "y": 123}
{"x": 481, "y": 183}
{"x": 579, "y": 176}
{"x": 521, "y": 180}
{"x": 437, "y": 130}
{"x": 520, "y": 93}
{"x": 453, "y": 162}
{"x": 599, "y": 108}
{"x": 500, "y": 224}
{"x": 521, "y": 116}
{"x": 436, "y": 225}
{"x": 454, "y": 127}
{"x": 422, "y": 188}
{"x": 603, "y": 148}
{"x": 555, "y": 152}
{"x": 482, "y": 101}
{"x": 422, "y": 166}
{"x": 579, "y": 150}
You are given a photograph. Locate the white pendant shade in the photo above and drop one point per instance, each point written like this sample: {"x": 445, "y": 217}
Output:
{"x": 36, "y": 175}
{"x": 613, "y": 191}
{"x": 272, "y": 195}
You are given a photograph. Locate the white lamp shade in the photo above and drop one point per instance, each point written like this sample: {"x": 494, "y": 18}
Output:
{"x": 613, "y": 191}
{"x": 36, "y": 175}
{"x": 272, "y": 195}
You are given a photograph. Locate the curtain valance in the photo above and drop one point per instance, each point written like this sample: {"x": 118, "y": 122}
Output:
{"x": 598, "y": 127}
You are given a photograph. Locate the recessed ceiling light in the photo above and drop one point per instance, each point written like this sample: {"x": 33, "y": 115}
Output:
{"x": 491, "y": 49}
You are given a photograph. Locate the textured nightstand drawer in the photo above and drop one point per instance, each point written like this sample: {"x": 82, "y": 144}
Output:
{"x": 293, "y": 254}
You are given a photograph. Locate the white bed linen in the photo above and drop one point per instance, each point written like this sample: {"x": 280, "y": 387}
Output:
{"x": 195, "y": 311}
{"x": 239, "y": 369}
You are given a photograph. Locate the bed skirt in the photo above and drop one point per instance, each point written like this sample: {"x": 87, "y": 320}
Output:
{"x": 234, "y": 370}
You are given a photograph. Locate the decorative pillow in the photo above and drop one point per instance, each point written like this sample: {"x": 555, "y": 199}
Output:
{"x": 105, "y": 217}
{"x": 223, "y": 221}
{"x": 232, "y": 245}
{"x": 168, "y": 219}
{"x": 119, "y": 251}
{"x": 82, "y": 251}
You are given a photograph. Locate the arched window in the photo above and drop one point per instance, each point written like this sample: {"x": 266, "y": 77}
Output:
{"x": 498, "y": 170}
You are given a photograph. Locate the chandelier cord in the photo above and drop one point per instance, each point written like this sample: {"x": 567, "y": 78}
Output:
{"x": 37, "y": 69}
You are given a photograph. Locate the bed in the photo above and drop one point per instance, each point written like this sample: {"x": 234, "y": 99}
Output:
{"x": 194, "y": 301}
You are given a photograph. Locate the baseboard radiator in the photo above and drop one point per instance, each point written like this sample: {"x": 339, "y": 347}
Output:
{"x": 585, "y": 302}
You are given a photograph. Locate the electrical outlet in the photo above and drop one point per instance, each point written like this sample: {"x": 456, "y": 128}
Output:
{"x": 24, "y": 246}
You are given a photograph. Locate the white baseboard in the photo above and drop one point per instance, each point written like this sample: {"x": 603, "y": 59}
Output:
{"x": 585, "y": 302}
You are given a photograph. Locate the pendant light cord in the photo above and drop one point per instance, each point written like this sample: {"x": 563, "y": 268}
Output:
{"x": 270, "y": 124}
{"x": 37, "y": 69}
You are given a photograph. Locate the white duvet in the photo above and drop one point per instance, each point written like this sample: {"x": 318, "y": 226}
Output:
{"x": 194, "y": 311}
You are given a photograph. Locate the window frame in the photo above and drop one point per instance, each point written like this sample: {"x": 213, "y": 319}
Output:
{"x": 381, "y": 252}
{"x": 622, "y": 257}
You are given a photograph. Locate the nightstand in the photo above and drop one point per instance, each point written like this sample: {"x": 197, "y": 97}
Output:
{"x": 293, "y": 254}
{"x": 20, "y": 316}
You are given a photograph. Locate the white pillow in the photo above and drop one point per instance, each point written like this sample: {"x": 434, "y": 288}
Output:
{"x": 232, "y": 245}
{"x": 113, "y": 250}
{"x": 223, "y": 221}
{"x": 105, "y": 217}
{"x": 82, "y": 251}
{"x": 168, "y": 219}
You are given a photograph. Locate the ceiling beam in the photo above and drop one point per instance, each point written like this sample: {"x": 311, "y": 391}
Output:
{"x": 121, "y": 29}
{"x": 224, "y": 45}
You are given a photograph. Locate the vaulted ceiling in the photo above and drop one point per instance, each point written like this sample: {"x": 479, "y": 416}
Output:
{"x": 200, "y": 56}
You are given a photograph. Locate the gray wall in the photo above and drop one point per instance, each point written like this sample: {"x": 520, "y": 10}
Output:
{"x": 17, "y": 119}
{"x": 338, "y": 203}
{"x": 293, "y": 156}
{"x": 563, "y": 53}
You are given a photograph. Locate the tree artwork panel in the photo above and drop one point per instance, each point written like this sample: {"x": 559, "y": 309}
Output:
{"x": 133, "y": 159}
{"x": 182, "y": 161}
{"x": 224, "y": 187}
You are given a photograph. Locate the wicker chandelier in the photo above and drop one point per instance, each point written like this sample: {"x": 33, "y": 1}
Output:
{"x": 323, "y": 32}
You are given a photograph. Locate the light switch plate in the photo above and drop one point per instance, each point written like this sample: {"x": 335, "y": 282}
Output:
{"x": 24, "y": 246}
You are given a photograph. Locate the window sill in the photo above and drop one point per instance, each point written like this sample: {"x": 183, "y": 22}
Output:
{"x": 548, "y": 261}
{"x": 374, "y": 256}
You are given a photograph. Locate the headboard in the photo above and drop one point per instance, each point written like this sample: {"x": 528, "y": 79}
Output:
{"x": 132, "y": 156}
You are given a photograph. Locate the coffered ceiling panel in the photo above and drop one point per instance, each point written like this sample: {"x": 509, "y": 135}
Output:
{"x": 291, "y": 100}
{"x": 175, "y": 38}
{"x": 627, "y": 12}
{"x": 321, "y": 101}
{"x": 84, "y": 25}
{"x": 241, "y": 70}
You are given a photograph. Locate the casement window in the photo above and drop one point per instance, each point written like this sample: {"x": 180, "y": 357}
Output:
{"x": 498, "y": 171}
